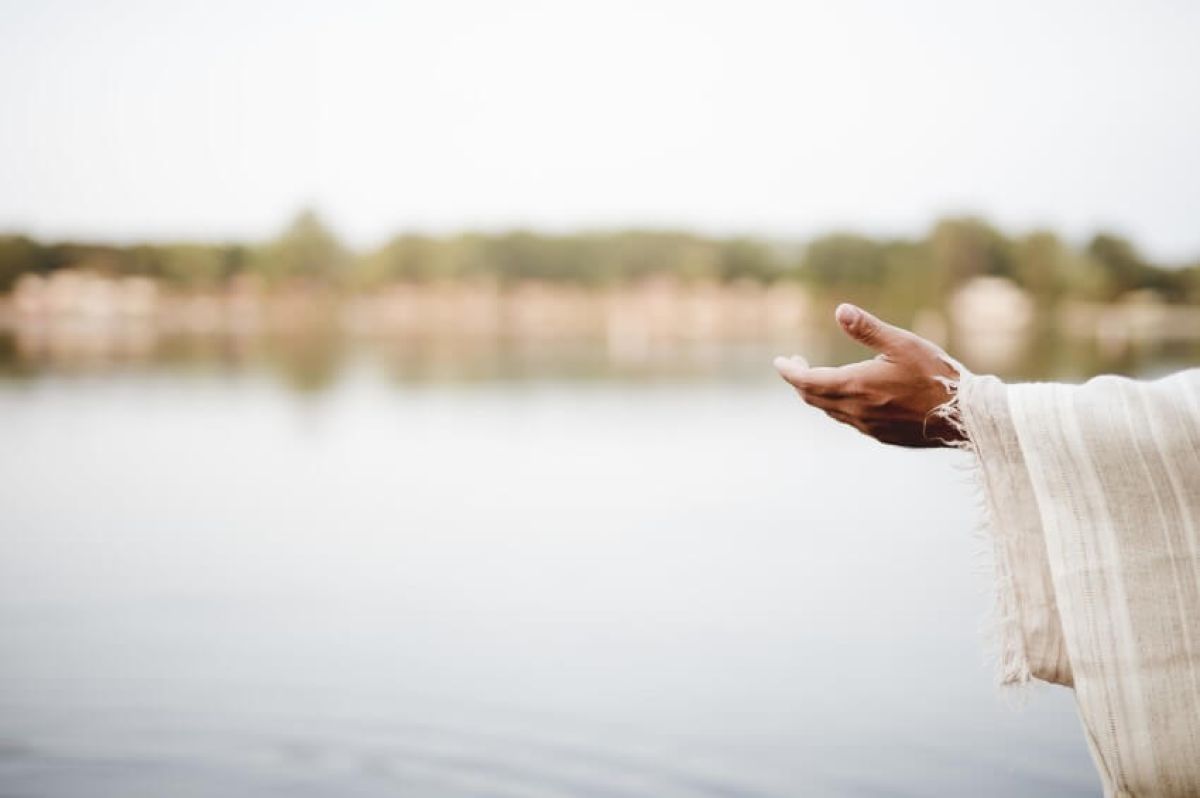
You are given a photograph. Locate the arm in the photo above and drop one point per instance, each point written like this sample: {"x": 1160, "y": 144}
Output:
{"x": 891, "y": 397}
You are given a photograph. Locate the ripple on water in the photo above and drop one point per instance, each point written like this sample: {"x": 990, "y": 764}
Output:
{"x": 130, "y": 752}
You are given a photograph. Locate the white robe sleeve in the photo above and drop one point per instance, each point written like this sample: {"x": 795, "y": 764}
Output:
{"x": 1093, "y": 496}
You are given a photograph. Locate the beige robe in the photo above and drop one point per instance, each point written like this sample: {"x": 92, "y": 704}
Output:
{"x": 1093, "y": 496}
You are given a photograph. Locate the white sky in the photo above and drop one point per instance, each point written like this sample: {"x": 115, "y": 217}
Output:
{"x": 219, "y": 119}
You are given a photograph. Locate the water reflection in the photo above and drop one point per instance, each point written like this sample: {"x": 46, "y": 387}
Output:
{"x": 312, "y": 360}
{"x": 515, "y": 587}
{"x": 574, "y": 546}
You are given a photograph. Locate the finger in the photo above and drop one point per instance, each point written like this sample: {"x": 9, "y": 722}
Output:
{"x": 822, "y": 380}
{"x": 869, "y": 331}
{"x": 845, "y": 382}
{"x": 792, "y": 369}
{"x": 823, "y": 403}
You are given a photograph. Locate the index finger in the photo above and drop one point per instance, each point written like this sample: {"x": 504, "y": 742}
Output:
{"x": 822, "y": 380}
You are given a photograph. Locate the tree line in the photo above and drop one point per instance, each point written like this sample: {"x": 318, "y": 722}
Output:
{"x": 910, "y": 272}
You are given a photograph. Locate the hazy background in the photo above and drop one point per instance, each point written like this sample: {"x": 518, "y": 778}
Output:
{"x": 385, "y": 398}
{"x": 215, "y": 120}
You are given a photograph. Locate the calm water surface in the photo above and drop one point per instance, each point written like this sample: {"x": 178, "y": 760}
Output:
{"x": 213, "y": 586}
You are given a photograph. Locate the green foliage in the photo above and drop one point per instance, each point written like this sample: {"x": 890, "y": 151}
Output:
{"x": 1122, "y": 269}
{"x": 845, "y": 260}
{"x": 1041, "y": 265}
{"x": 968, "y": 247}
{"x": 307, "y": 250}
{"x": 409, "y": 258}
{"x": 904, "y": 275}
{"x": 19, "y": 255}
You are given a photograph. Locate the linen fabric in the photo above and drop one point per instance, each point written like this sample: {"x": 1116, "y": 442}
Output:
{"x": 1093, "y": 503}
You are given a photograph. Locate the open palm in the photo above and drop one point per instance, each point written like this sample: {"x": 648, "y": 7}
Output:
{"x": 894, "y": 396}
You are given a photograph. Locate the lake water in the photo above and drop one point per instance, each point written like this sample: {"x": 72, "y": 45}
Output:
{"x": 214, "y": 585}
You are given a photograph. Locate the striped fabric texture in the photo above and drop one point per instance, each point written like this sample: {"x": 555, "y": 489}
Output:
{"x": 1093, "y": 497}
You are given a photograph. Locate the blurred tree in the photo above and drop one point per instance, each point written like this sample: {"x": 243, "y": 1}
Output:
{"x": 19, "y": 255}
{"x": 1119, "y": 263}
{"x": 901, "y": 276}
{"x": 1039, "y": 266}
{"x": 193, "y": 265}
{"x": 963, "y": 248}
{"x": 746, "y": 259}
{"x": 843, "y": 259}
{"x": 1124, "y": 270}
{"x": 410, "y": 258}
{"x": 146, "y": 260}
{"x": 307, "y": 249}
{"x": 1189, "y": 280}
{"x": 909, "y": 285}
{"x": 636, "y": 255}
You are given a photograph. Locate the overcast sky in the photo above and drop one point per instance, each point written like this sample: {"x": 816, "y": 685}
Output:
{"x": 219, "y": 119}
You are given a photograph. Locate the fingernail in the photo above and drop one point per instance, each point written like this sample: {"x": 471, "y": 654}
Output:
{"x": 781, "y": 362}
{"x": 847, "y": 314}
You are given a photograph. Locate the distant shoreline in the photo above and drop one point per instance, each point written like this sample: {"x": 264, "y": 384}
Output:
{"x": 78, "y": 316}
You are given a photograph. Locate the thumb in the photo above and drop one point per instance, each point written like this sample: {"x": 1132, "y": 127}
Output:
{"x": 870, "y": 331}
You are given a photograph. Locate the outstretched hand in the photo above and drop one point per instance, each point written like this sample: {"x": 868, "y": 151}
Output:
{"x": 891, "y": 397}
